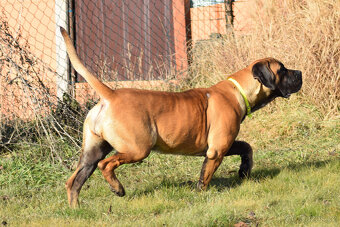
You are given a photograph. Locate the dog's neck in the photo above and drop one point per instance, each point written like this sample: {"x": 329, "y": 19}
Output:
{"x": 243, "y": 94}
{"x": 257, "y": 94}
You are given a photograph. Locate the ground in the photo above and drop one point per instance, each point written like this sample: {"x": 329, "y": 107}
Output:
{"x": 295, "y": 182}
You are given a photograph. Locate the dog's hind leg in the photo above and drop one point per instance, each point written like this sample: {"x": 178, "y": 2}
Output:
{"x": 94, "y": 149}
{"x": 108, "y": 165}
{"x": 246, "y": 152}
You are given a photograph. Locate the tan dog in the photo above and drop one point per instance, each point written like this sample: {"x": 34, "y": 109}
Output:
{"x": 202, "y": 122}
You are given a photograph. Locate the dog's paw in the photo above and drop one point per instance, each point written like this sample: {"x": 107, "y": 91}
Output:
{"x": 246, "y": 164}
{"x": 245, "y": 169}
{"x": 120, "y": 192}
{"x": 244, "y": 173}
{"x": 200, "y": 186}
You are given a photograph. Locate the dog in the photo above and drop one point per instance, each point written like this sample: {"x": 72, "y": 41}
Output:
{"x": 197, "y": 122}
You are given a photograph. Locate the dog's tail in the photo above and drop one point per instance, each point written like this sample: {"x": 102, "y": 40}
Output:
{"x": 102, "y": 90}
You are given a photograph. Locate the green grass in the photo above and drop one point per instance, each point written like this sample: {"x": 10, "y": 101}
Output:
{"x": 295, "y": 182}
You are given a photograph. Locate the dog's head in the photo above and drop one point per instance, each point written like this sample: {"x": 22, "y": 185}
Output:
{"x": 281, "y": 81}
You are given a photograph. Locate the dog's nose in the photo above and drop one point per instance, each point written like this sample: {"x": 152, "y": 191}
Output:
{"x": 298, "y": 73}
{"x": 298, "y": 79}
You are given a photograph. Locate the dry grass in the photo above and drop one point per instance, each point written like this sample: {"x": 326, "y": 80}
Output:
{"x": 302, "y": 34}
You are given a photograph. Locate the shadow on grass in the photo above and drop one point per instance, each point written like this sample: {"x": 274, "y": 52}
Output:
{"x": 258, "y": 175}
{"x": 232, "y": 180}
{"x": 220, "y": 183}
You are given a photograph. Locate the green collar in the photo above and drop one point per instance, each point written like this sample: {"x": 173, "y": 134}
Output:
{"x": 243, "y": 95}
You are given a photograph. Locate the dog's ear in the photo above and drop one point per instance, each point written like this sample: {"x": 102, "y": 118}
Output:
{"x": 264, "y": 74}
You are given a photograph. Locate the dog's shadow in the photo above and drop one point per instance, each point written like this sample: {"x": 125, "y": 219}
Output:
{"x": 232, "y": 179}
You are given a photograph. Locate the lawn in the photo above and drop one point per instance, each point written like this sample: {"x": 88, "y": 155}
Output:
{"x": 295, "y": 182}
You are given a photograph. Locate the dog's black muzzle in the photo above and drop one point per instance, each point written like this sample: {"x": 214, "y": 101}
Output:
{"x": 290, "y": 83}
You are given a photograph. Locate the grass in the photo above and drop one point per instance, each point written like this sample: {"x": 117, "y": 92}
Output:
{"x": 295, "y": 182}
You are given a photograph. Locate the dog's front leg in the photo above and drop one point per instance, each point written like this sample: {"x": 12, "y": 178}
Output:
{"x": 211, "y": 163}
{"x": 246, "y": 152}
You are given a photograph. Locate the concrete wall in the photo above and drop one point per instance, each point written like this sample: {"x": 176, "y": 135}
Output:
{"x": 210, "y": 19}
{"x": 35, "y": 22}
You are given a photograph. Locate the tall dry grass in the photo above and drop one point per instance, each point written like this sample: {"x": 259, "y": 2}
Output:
{"x": 303, "y": 35}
